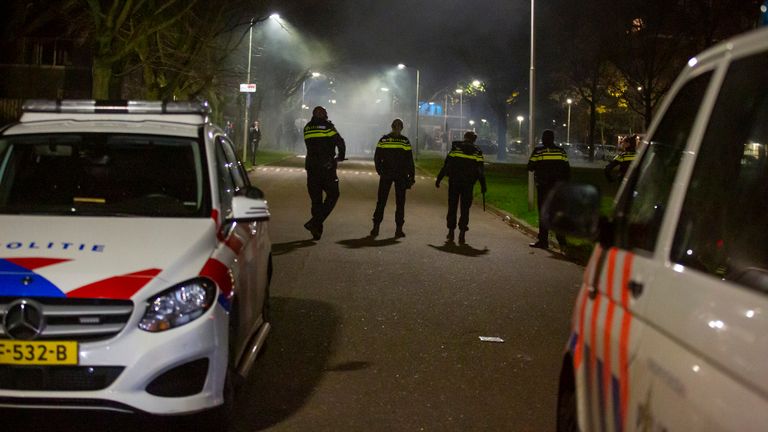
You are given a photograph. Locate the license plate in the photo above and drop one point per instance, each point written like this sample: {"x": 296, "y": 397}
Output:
{"x": 38, "y": 353}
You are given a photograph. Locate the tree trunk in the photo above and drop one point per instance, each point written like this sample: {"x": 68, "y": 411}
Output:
{"x": 501, "y": 130}
{"x": 102, "y": 75}
{"x": 592, "y": 127}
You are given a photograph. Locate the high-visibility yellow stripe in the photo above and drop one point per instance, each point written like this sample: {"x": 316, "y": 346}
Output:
{"x": 393, "y": 146}
{"x": 318, "y": 133}
{"x": 477, "y": 158}
{"x": 538, "y": 158}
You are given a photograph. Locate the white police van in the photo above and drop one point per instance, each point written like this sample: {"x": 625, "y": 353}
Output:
{"x": 670, "y": 330}
{"x": 134, "y": 259}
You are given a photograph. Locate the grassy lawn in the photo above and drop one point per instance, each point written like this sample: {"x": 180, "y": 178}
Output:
{"x": 264, "y": 157}
{"x": 508, "y": 191}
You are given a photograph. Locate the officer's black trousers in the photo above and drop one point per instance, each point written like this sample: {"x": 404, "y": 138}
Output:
{"x": 542, "y": 190}
{"x": 459, "y": 192}
{"x": 318, "y": 184}
{"x": 385, "y": 184}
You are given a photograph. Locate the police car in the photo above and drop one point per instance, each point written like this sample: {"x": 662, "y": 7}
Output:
{"x": 670, "y": 329}
{"x": 134, "y": 259}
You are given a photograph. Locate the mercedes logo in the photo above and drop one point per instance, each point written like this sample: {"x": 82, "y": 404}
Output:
{"x": 24, "y": 319}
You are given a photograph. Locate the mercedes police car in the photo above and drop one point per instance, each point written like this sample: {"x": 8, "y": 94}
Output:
{"x": 670, "y": 329}
{"x": 134, "y": 259}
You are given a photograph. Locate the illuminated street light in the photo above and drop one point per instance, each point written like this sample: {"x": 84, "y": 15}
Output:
{"x": 484, "y": 120}
{"x": 476, "y": 83}
{"x": 471, "y": 122}
{"x": 275, "y": 16}
{"x": 520, "y": 126}
{"x": 315, "y": 74}
{"x": 401, "y": 66}
{"x": 384, "y": 89}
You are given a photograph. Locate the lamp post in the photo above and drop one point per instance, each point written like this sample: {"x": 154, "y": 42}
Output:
{"x": 568, "y": 128}
{"x": 532, "y": 103}
{"x": 248, "y": 95}
{"x": 402, "y": 66}
{"x": 461, "y": 106}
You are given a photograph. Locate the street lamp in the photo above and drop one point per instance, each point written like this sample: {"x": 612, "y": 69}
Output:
{"x": 472, "y": 123}
{"x": 476, "y": 83}
{"x": 520, "y": 126}
{"x": 461, "y": 106}
{"x": 402, "y": 66}
{"x": 532, "y": 102}
{"x": 568, "y": 128}
{"x": 248, "y": 95}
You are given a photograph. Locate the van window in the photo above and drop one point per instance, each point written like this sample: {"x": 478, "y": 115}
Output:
{"x": 642, "y": 207}
{"x": 722, "y": 228}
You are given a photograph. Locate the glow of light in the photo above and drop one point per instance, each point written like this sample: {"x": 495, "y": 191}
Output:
{"x": 431, "y": 103}
{"x": 315, "y": 74}
{"x": 459, "y": 91}
{"x": 763, "y": 8}
{"x": 640, "y": 88}
{"x": 678, "y": 268}
{"x": 476, "y": 83}
{"x": 471, "y": 122}
{"x": 696, "y": 368}
{"x": 692, "y": 62}
{"x": 378, "y": 100}
{"x": 384, "y": 89}
{"x": 520, "y": 118}
{"x": 689, "y": 252}
{"x": 275, "y": 16}
{"x": 717, "y": 324}
{"x": 484, "y": 120}
{"x": 569, "y": 101}
{"x": 333, "y": 101}
{"x": 750, "y": 314}
{"x": 401, "y": 66}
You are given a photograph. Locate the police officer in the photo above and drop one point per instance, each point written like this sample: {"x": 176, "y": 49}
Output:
{"x": 623, "y": 160}
{"x": 322, "y": 140}
{"x": 394, "y": 164}
{"x": 464, "y": 167}
{"x": 550, "y": 166}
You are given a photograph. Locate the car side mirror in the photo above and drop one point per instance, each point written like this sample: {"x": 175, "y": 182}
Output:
{"x": 573, "y": 209}
{"x": 246, "y": 210}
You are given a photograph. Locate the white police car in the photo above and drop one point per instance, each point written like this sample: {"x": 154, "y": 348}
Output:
{"x": 134, "y": 259}
{"x": 670, "y": 330}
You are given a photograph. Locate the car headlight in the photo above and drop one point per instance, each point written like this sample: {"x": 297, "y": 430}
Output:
{"x": 178, "y": 305}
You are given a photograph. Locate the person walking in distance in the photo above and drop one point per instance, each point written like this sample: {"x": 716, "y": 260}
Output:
{"x": 322, "y": 141}
{"x": 550, "y": 166}
{"x": 394, "y": 164}
{"x": 627, "y": 154}
{"x": 464, "y": 167}
{"x": 254, "y": 132}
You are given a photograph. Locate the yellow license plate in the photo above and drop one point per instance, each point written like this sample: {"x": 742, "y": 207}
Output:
{"x": 38, "y": 353}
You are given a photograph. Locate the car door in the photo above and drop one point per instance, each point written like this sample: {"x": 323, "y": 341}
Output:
{"x": 703, "y": 363}
{"x": 248, "y": 245}
{"x": 612, "y": 310}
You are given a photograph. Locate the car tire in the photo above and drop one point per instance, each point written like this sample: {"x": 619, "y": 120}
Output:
{"x": 567, "y": 417}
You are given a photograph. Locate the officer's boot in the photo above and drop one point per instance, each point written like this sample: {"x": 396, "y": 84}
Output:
{"x": 399, "y": 232}
{"x": 450, "y": 235}
{"x": 375, "y": 230}
{"x": 462, "y": 237}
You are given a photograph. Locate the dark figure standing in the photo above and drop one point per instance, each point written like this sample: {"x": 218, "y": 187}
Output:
{"x": 550, "y": 166}
{"x": 627, "y": 153}
{"x": 464, "y": 167}
{"x": 394, "y": 164}
{"x": 254, "y": 137}
{"x": 322, "y": 141}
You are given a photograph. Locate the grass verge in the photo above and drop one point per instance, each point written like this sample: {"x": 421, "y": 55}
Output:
{"x": 264, "y": 157}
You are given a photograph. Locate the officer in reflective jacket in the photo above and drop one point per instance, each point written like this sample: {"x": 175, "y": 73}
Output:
{"x": 550, "y": 166}
{"x": 464, "y": 167}
{"x": 394, "y": 164}
{"x": 623, "y": 160}
{"x": 322, "y": 141}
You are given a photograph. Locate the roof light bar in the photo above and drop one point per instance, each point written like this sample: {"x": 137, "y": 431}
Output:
{"x": 115, "y": 107}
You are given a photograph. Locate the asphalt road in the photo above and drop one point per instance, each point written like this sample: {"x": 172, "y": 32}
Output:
{"x": 383, "y": 335}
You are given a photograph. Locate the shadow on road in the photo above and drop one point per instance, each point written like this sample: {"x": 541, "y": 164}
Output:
{"x": 466, "y": 250}
{"x": 366, "y": 242}
{"x": 288, "y": 247}
{"x": 291, "y": 367}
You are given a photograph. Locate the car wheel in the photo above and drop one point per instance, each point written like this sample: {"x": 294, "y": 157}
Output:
{"x": 567, "y": 417}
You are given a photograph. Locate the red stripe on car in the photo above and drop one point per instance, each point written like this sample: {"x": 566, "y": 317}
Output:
{"x": 117, "y": 287}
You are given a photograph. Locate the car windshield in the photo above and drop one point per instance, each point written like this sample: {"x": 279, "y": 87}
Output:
{"x": 102, "y": 174}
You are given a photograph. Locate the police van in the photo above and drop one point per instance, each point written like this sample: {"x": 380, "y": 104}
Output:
{"x": 670, "y": 328}
{"x": 134, "y": 259}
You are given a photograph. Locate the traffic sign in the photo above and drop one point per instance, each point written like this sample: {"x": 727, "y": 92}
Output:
{"x": 247, "y": 88}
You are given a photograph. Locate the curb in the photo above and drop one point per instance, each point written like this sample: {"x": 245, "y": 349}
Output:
{"x": 253, "y": 167}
